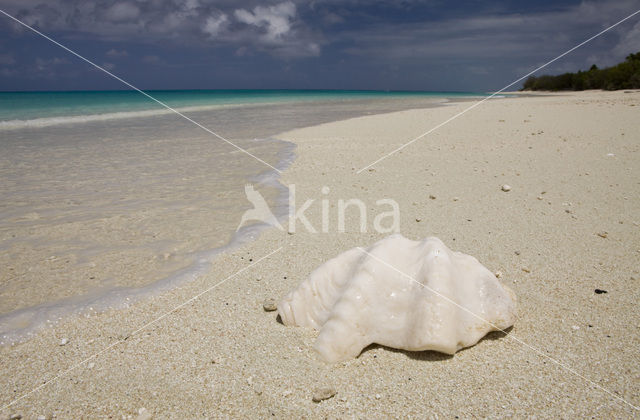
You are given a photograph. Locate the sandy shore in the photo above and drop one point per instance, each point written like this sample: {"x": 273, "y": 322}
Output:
{"x": 572, "y": 161}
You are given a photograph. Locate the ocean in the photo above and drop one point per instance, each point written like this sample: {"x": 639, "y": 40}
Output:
{"x": 108, "y": 197}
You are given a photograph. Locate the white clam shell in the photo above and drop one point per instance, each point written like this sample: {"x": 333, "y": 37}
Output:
{"x": 411, "y": 295}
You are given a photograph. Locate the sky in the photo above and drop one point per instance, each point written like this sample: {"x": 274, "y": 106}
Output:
{"x": 427, "y": 45}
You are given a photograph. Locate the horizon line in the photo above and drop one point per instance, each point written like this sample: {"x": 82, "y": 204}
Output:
{"x": 246, "y": 90}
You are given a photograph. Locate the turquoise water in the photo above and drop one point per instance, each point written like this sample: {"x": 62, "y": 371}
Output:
{"x": 37, "y": 105}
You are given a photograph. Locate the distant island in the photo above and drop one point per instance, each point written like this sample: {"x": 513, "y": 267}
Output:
{"x": 625, "y": 75}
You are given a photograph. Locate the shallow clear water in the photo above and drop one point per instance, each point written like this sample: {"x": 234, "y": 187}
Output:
{"x": 90, "y": 105}
{"x": 98, "y": 212}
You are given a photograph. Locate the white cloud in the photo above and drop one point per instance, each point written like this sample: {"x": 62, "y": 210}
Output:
{"x": 122, "y": 12}
{"x": 178, "y": 21}
{"x": 274, "y": 28}
{"x": 191, "y": 4}
{"x": 274, "y": 20}
{"x": 629, "y": 43}
{"x": 117, "y": 53}
{"x": 313, "y": 49}
{"x": 278, "y": 30}
{"x": 43, "y": 64}
{"x": 151, "y": 59}
{"x": 215, "y": 24}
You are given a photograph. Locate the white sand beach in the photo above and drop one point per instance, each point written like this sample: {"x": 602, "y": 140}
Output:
{"x": 569, "y": 225}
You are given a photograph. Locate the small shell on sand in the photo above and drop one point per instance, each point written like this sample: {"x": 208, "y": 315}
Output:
{"x": 506, "y": 188}
{"x": 322, "y": 394}
{"x": 64, "y": 341}
{"x": 144, "y": 414}
{"x": 270, "y": 305}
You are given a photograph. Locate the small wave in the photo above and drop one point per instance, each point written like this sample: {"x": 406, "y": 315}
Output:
{"x": 79, "y": 119}
{"x": 19, "y": 325}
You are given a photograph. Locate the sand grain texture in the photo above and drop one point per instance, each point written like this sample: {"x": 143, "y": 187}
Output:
{"x": 222, "y": 355}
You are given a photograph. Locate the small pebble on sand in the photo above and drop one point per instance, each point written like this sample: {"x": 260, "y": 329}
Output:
{"x": 506, "y": 188}
{"x": 143, "y": 414}
{"x": 600, "y": 291}
{"x": 431, "y": 196}
{"x": 15, "y": 417}
{"x": 526, "y": 270}
{"x": 575, "y": 327}
{"x": 517, "y": 252}
{"x": 603, "y": 234}
{"x": 418, "y": 220}
{"x": 64, "y": 341}
{"x": 270, "y": 305}
{"x": 498, "y": 274}
{"x": 322, "y": 394}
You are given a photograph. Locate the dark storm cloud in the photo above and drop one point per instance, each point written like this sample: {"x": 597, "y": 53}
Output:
{"x": 496, "y": 36}
{"x": 419, "y": 44}
{"x": 274, "y": 28}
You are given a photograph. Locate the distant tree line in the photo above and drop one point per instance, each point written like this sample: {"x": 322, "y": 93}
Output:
{"x": 625, "y": 75}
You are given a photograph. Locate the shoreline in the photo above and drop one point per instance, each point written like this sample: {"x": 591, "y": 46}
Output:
{"x": 18, "y": 325}
{"x": 222, "y": 355}
{"x": 152, "y": 110}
